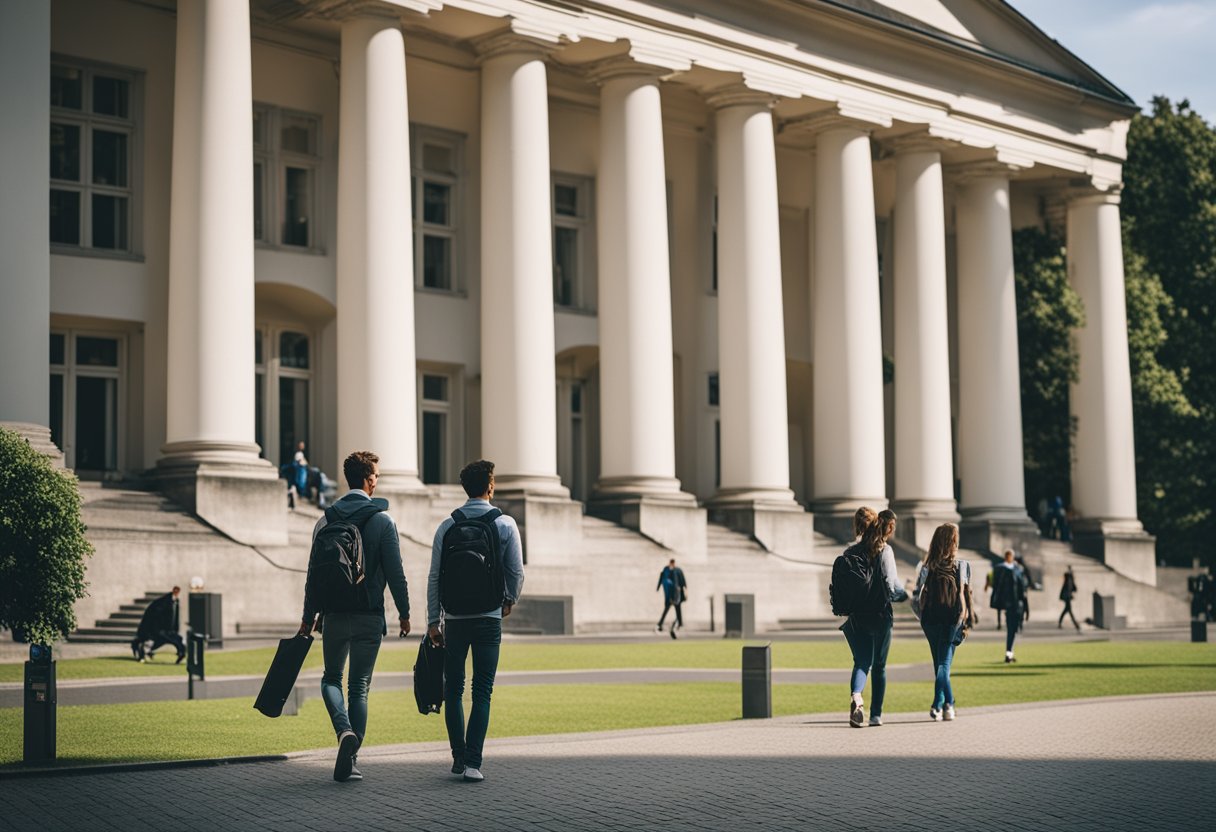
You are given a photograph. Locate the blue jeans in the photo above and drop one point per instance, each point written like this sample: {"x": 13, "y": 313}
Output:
{"x": 357, "y": 636}
{"x": 1013, "y": 623}
{"x": 870, "y": 644}
{"x": 483, "y": 636}
{"x": 941, "y": 645}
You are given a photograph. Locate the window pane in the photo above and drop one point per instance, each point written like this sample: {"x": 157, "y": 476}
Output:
{"x": 65, "y": 217}
{"x": 713, "y": 389}
{"x": 259, "y": 412}
{"x": 435, "y": 388}
{"x": 257, "y": 347}
{"x": 293, "y": 350}
{"x": 565, "y": 270}
{"x": 259, "y": 129}
{"x": 57, "y": 348}
{"x": 432, "y": 447}
{"x": 65, "y": 152}
{"x": 436, "y": 262}
{"x": 65, "y": 87}
{"x": 576, "y": 398}
{"x": 111, "y": 96}
{"x": 109, "y": 158}
{"x": 565, "y": 200}
{"x": 437, "y": 158}
{"x": 436, "y": 200}
{"x": 258, "y": 204}
{"x": 298, "y": 135}
{"x": 297, "y": 212}
{"x": 96, "y": 423}
{"x": 57, "y": 409}
{"x": 293, "y": 416}
{"x": 97, "y": 352}
{"x": 110, "y": 222}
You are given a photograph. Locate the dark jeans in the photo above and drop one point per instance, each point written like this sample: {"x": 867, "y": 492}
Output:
{"x": 669, "y": 605}
{"x": 1013, "y": 623}
{"x": 161, "y": 638}
{"x": 870, "y": 644}
{"x": 1068, "y": 611}
{"x": 357, "y": 636}
{"x": 482, "y": 636}
{"x": 941, "y": 645}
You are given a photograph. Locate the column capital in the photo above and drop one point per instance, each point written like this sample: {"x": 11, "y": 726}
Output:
{"x": 917, "y": 142}
{"x": 1083, "y": 195}
{"x": 836, "y": 118}
{"x": 510, "y": 42}
{"x": 968, "y": 172}
{"x": 625, "y": 66}
{"x": 342, "y": 10}
{"x": 739, "y": 94}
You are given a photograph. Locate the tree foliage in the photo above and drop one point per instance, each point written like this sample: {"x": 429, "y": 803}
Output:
{"x": 1049, "y": 309}
{"x": 1169, "y": 210}
{"x": 42, "y": 543}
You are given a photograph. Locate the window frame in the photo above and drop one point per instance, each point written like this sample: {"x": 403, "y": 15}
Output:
{"x": 452, "y": 410}
{"x": 420, "y": 136}
{"x": 88, "y": 122}
{"x": 584, "y": 286}
{"x": 269, "y": 152}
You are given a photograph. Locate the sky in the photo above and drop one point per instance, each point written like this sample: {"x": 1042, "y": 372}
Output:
{"x": 1144, "y": 47}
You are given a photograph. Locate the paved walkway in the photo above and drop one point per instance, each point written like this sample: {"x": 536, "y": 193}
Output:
{"x": 1119, "y": 764}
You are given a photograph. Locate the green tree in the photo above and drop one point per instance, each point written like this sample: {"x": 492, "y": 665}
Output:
{"x": 42, "y": 543}
{"x": 1048, "y": 311}
{"x": 1169, "y": 209}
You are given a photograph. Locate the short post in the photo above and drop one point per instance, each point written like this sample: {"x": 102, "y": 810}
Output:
{"x": 294, "y": 700}
{"x": 757, "y": 682}
{"x": 40, "y": 697}
{"x": 711, "y": 613}
{"x": 1199, "y": 629}
{"x": 196, "y": 645}
{"x": 740, "y": 615}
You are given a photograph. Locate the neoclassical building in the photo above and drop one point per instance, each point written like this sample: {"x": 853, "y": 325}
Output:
{"x": 680, "y": 264}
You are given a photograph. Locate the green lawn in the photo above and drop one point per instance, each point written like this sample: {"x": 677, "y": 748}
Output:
{"x": 180, "y": 730}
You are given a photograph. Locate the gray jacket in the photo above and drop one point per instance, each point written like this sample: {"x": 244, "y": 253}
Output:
{"x": 381, "y": 554}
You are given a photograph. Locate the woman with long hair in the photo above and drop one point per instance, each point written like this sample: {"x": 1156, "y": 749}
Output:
{"x": 868, "y": 630}
{"x": 862, "y": 518}
{"x": 942, "y": 598}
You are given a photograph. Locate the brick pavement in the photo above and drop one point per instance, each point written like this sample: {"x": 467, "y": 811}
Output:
{"x": 1135, "y": 763}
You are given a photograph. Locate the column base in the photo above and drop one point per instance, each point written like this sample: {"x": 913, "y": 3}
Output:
{"x": 1123, "y": 545}
{"x": 772, "y": 518}
{"x": 656, "y": 508}
{"x": 228, "y": 486}
{"x": 39, "y": 438}
{"x": 834, "y": 515}
{"x": 993, "y": 530}
{"x": 409, "y": 503}
{"x": 919, "y": 519}
{"x": 550, "y": 523}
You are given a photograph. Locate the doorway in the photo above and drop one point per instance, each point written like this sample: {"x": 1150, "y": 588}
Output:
{"x": 86, "y": 407}
{"x": 284, "y": 364}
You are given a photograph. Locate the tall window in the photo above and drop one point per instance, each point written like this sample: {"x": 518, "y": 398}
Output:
{"x": 436, "y": 168}
{"x": 436, "y": 407}
{"x": 573, "y": 258}
{"x": 713, "y": 400}
{"x": 93, "y": 132}
{"x": 286, "y": 172}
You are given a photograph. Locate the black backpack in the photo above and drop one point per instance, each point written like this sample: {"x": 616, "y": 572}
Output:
{"x": 471, "y": 578}
{"x": 852, "y": 582}
{"x": 337, "y": 573}
{"x": 941, "y": 597}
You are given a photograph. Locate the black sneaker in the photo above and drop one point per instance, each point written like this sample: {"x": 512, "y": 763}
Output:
{"x": 180, "y": 657}
{"x": 458, "y": 766}
{"x": 348, "y": 746}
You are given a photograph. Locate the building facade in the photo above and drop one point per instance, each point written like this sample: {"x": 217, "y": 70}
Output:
{"x": 656, "y": 259}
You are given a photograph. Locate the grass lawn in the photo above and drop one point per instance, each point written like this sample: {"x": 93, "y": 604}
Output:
{"x": 180, "y": 730}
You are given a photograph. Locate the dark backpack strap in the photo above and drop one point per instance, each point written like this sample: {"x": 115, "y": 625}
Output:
{"x": 331, "y": 516}
{"x": 459, "y": 516}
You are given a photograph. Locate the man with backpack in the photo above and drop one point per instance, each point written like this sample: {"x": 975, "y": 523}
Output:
{"x": 1009, "y": 585}
{"x": 477, "y": 573}
{"x": 355, "y": 553}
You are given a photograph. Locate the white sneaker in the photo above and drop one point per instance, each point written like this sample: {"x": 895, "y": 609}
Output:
{"x": 472, "y": 775}
{"x": 857, "y": 714}
{"x": 948, "y": 714}
{"x": 1009, "y": 659}
{"x": 935, "y": 715}
{"x": 875, "y": 721}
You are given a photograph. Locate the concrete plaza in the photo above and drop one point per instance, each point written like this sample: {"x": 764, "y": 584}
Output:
{"x": 1135, "y": 763}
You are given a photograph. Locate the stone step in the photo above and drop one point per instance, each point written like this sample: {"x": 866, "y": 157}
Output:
{"x": 117, "y": 624}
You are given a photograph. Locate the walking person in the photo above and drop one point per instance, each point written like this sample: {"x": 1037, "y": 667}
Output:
{"x": 1067, "y": 592}
{"x": 675, "y": 593}
{"x": 1009, "y": 591}
{"x": 943, "y": 600}
{"x": 989, "y": 586}
{"x": 348, "y": 609}
{"x": 160, "y": 624}
{"x": 477, "y": 574}
{"x": 868, "y": 629}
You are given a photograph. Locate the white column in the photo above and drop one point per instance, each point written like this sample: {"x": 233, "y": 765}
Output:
{"x": 25, "y": 264}
{"x": 519, "y": 430}
{"x": 1104, "y": 470}
{"x": 990, "y": 403}
{"x": 210, "y": 380}
{"x": 751, "y": 332}
{"x": 849, "y": 442}
{"x": 377, "y": 408}
{"x": 636, "y": 377}
{"x": 924, "y": 459}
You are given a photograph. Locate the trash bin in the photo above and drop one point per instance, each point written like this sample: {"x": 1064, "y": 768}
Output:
{"x": 1199, "y": 629}
{"x": 206, "y": 616}
{"x": 740, "y": 616}
{"x": 757, "y": 682}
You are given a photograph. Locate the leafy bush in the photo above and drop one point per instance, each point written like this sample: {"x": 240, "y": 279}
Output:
{"x": 42, "y": 543}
